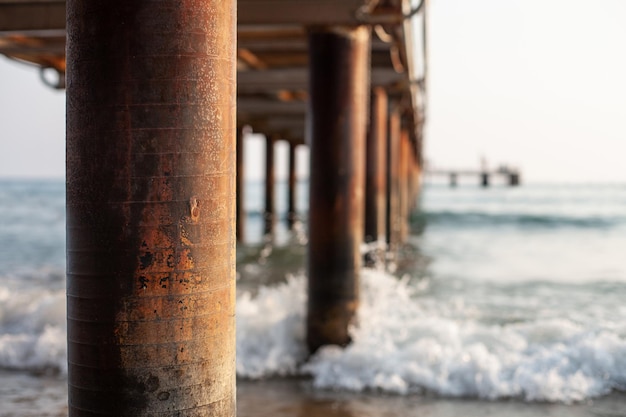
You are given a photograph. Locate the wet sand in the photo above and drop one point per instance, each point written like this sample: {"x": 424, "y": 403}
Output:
{"x": 296, "y": 398}
{"x": 23, "y": 395}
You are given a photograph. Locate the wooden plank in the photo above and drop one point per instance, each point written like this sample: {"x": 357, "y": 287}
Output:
{"x": 32, "y": 15}
{"x": 249, "y": 82}
{"x": 13, "y": 2}
{"x": 303, "y": 12}
{"x": 296, "y": 123}
{"x": 252, "y": 106}
{"x": 50, "y": 14}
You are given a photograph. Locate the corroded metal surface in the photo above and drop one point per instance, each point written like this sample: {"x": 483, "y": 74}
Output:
{"x": 403, "y": 181}
{"x": 339, "y": 93}
{"x": 150, "y": 207}
{"x": 393, "y": 185}
{"x": 376, "y": 173}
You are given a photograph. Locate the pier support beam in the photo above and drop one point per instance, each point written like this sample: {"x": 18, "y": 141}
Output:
{"x": 339, "y": 92}
{"x": 292, "y": 213}
{"x": 241, "y": 212}
{"x": 403, "y": 179}
{"x": 376, "y": 168}
{"x": 393, "y": 185}
{"x": 454, "y": 177}
{"x": 484, "y": 179}
{"x": 270, "y": 186}
{"x": 151, "y": 96}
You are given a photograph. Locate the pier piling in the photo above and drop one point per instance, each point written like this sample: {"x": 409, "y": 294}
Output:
{"x": 339, "y": 92}
{"x": 393, "y": 185}
{"x": 241, "y": 212}
{"x": 292, "y": 214}
{"x": 404, "y": 188}
{"x": 453, "y": 179}
{"x": 484, "y": 179}
{"x": 151, "y": 208}
{"x": 270, "y": 185}
{"x": 375, "y": 174}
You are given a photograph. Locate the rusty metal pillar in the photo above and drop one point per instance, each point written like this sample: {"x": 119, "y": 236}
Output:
{"x": 393, "y": 186}
{"x": 403, "y": 180}
{"x": 375, "y": 173}
{"x": 339, "y": 92}
{"x": 269, "y": 214}
{"x": 151, "y": 90}
{"x": 410, "y": 171}
{"x": 241, "y": 211}
{"x": 292, "y": 213}
{"x": 414, "y": 174}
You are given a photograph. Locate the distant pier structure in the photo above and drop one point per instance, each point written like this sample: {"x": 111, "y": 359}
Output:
{"x": 512, "y": 176}
{"x": 160, "y": 98}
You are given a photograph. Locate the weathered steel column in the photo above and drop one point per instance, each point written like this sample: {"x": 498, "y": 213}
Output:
{"x": 339, "y": 91}
{"x": 269, "y": 185}
{"x": 292, "y": 213}
{"x": 241, "y": 212}
{"x": 151, "y": 207}
{"x": 414, "y": 175}
{"x": 403, "y": 181}
{"x": 393, "y": 186}
{"x": 376, "y": 173}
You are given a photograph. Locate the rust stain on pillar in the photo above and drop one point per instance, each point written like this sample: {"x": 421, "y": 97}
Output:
{"x": 241, "y": 212}
{"x": 412, "y": 176}
{"x": 418, "y": 161}
{"x": 339, "y": 92}
{"x": 151, "y": 207}
{"x": 393, "y": 186}
{"x": 292, "y": 214}
{"x": 403, "y": 180}
{"x": 270, "y": 214}
{"x": 376, "y": 168}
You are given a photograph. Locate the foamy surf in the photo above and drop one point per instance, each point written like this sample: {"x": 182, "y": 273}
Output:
{"x": 407, "y": 342}
{"x": 548, "y": 344}
{"x": 33, "y": 329}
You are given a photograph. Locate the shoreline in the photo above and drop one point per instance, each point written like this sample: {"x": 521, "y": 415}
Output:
{"x": 296, "y": 397}
{"x": 27, "y": 395}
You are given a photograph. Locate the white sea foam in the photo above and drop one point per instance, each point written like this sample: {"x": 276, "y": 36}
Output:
{"x": 33, "y": 329}
{"x": 409, "y": 338}
{"x": 407, "y": 342}
{"x": 270, "y": 330}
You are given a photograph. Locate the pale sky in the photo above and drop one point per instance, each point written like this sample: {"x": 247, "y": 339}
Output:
{"x": 540, "y": 84}
{"x": 536, "y": 83}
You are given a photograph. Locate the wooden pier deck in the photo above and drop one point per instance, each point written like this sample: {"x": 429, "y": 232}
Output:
{"x": 511, "y": 176}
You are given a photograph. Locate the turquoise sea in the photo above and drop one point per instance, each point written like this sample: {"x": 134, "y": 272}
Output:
{"x": 504, "y": 299}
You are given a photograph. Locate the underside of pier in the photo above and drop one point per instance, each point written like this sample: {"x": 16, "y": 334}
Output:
{"x": 155, "y": 124}
{"x": 272, "y": 54}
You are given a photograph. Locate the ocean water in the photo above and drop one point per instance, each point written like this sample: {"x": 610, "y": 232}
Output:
{"x": 500, "y": 293}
